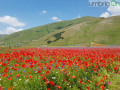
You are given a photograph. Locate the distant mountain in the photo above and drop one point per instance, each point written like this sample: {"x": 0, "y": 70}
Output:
{"x": 84, "y": 30}
{"x": 2, "y": 35}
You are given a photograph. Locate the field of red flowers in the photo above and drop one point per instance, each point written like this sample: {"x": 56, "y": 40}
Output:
{"x": 59, "y": 68}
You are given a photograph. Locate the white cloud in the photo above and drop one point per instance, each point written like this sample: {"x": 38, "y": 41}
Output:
{"x": 11, "y": 21}
{"x": 79, "y": 15}
{"x": 105, "y": 15}
{"x": 44, "y": 11}
{"x": 54, "y": 18}
{"x": 59, "y": 20}
{"x": 10, "y": 30}
{"x": 114, "y": 10}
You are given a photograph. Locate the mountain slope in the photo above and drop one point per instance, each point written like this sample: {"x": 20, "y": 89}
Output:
{"x": 102, "y": 31}
{"x": 85, "y": 30}
{"x": 26, "y": 37}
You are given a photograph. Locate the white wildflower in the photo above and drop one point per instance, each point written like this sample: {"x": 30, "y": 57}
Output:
{"x": 67, "y": 83}
{"x": 53, "y": 77}
{"x": 15, "y": 84}
{"x": 27, "y": 80}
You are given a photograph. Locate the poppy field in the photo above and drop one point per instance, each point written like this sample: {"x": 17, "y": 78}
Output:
{"x": 59, "y": 68}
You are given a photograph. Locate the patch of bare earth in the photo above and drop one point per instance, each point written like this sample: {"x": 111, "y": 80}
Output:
{"x": 97, "y": 45}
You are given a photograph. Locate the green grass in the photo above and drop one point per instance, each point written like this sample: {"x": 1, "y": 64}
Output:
{"x": 116, "y": 83}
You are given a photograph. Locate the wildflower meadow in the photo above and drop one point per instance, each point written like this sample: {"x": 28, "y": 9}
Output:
{"x": 59, "y": 68}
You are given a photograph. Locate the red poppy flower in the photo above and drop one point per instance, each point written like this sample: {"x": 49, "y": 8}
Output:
{"x": 48, "y": 89}
{"x": 38, "y": 71}
{"x": 102, "y": 87}
{"x": 12, "y": 87}
{"x": 1, "y": 88}
{"x": 30, "y": 76}
{"x": 41, "y": 75}
{"x": 16, "y": 65}
{"x": 115, "y": 68}
{"x": 94, "y": 70}
{"x": 4, "y": 75}
{"x": 25, "y": 76}
{"x": 47, "y": 72}
{"x": 9, "y": 78}
{"x": 58, "y": 86}
{"x": 88, "y": 88}
{"x": 101, "y": 80}
{"x": 51, "y": 82}
{"x": 104, "y": 77}
{"x": 73, "y": 76}
{"x": 81, "y": 81}
{"x": 97, "y": 83}
{"x": 46, "y": 82}
{"x": 31, "y": 66}
{"x": 29, "y": 72}
{"x": 6, "y": 70}
{"x": 108, "y": 69}
{"x": 18, "y": 75}
{"x": 44, "y": 78}
{"x": 23, "y": 66}
{"x": 10, "y": 73}
{"x": 4, "y": 64}
{"x": 89, "y": 81}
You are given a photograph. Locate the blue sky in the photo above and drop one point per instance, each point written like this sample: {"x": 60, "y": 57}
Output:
{"x": 16, "y": 15}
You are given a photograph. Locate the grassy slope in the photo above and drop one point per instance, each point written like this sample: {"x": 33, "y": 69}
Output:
{"x": 72, "y": 35}
{"x": 102, "y": 31}
{"x": 106, "y": 31}
{"x": 84, "y": 30}
{"x": 27, "y": 36}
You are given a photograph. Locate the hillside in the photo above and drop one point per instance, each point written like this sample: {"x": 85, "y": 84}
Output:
{"x": 101, "y": 31}
{"x": 25, "y": 37}
{"x": 85, "y": 30}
